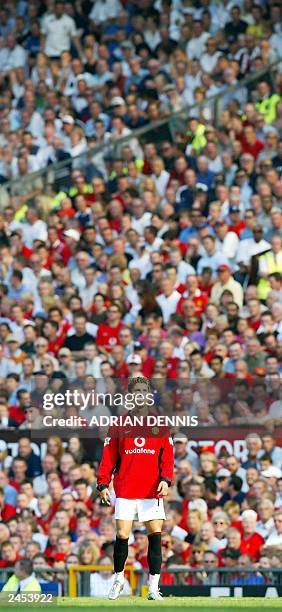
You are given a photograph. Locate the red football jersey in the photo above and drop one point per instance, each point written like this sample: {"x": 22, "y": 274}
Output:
{"x": 138, "y": 465}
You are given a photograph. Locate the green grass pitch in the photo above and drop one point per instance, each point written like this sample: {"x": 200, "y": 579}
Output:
{"x": 192, "y": 604}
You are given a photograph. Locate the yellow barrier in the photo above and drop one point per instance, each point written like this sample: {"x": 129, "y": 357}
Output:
{"x": 73, "y": 569}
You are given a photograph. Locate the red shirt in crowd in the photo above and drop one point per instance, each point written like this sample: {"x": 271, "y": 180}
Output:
{"x": 7, "y": 512}
{"x": 251, "y": 546}
{"x": 254, "y": 149}
{"x": 108, "y": 336}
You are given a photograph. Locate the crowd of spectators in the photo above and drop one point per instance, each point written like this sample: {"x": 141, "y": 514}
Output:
{"x": 222, "y": 512}
{"x": 160, "y": 254}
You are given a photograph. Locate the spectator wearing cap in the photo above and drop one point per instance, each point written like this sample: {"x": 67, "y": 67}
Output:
{"x": 222, "y": 477}
{"x": 236, "y": 224}
{"x": 134, "y": 363}
{"x": 226, "y": 282}
{"x": 272, "y": 473}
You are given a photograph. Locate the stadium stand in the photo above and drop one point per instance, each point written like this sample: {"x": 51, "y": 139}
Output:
{"x": 141, "y": 232}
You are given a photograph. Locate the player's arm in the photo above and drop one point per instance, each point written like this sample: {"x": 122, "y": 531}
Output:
{"x": 106, "y": 468}
{"x": 166, "y": 467}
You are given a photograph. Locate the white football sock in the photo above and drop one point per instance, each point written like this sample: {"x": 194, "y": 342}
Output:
{"x": 120, "y": 576}
{"x": 154, "y": 582}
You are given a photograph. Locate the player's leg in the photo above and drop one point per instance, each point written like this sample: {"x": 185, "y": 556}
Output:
{"x": 121, "y": 544}
{"x": 124, "y": 513}
{"x": 154, "y": 530}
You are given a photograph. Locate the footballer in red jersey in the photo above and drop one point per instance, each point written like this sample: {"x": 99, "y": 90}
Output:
{"x": 143, "y": 470}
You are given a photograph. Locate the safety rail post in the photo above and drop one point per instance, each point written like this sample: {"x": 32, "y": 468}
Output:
{"x": 74, "y": 569}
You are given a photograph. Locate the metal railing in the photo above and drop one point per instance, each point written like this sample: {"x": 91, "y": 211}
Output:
{"x": 75, "y": 580}
{"x": 58, "y": 172}
{"x": 79, "y": 577}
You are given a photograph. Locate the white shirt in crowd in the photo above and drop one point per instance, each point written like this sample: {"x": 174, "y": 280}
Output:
{"x": 196, "y": 46}
{"x": 208, "y": 62}
{"x": 228, "y": 247}
{"x": 248, "y": 248}
{"x": 100, "y": 586}
{"x": 59, "y": 34}
{"x": 168, "y": 304}
{"x": 104, "y": 10}
{"x": 140, "y": 224}
{"x": 161, "y": 182}
{"x": 15, "y": 58}
{"x": 36, "y": 231}
{"x": 275, "y": 539}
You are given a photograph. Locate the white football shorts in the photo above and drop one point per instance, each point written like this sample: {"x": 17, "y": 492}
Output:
{"x": 139, "y": 509}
